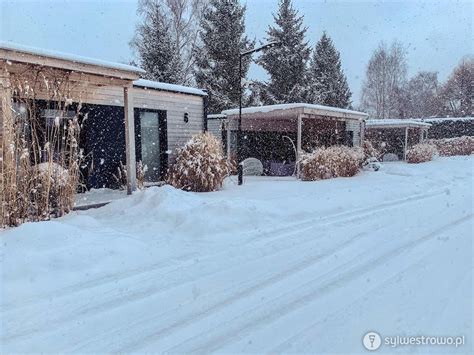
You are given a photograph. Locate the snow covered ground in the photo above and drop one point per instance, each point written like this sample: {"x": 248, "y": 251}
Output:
{"x": 276, "y": 265}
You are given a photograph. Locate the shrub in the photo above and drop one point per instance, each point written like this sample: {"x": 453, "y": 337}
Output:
{"x": 454, "y": 146}
{"x": 420, "y": 153}
{"x": 327, "y": 163}
{"x": 369, "y": 150}
{"x": 200, "y": 165}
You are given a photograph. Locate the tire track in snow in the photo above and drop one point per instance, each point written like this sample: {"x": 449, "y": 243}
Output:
{"x": 275, "y": 310}
{"x": 263, "y": 283}
{"x": 287, "y": 231}
{"x": 275, "y": 234}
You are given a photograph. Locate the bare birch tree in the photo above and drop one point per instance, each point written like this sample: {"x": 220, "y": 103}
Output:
{"x": 385, "y": 78}
{"x": 185, "y": 16}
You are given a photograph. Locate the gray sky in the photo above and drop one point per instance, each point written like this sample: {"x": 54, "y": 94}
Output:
{"x": 436, "y": 33}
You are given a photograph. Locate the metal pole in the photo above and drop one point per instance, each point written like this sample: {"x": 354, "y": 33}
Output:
{"x": 239, "y": 130}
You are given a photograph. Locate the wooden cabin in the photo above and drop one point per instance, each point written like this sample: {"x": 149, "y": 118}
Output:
{"x": 123, "y": 119}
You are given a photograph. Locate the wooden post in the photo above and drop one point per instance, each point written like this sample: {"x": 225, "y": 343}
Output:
{"x": 406, "y": 144}
{"x": 421, "y": 135}
{"x": 8, "y": 187}
{"x": 298, "y": 145}
{"x": 130, "y": 141}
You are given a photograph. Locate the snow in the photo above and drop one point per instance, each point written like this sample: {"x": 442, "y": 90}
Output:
{"x": 396, "y": 122}
{"x": 276, "y": 265}
{"x": 446, "y": 119}
{"x": 270, "y": 108}
{"x": 98, "y": 196}
{"x": 66, "y": 56}
{"x": 168, "y": 87}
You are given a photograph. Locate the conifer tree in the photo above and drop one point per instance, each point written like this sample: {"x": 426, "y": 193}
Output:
{"x": 217, "y": 57}
{"x": 286, "y": 64}
{"x": 155, "y": 45}
{"x": 328, "y": 83}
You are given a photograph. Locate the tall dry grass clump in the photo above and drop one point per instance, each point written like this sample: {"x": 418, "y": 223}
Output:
{"x": 331, "y": 162}
{"x": 454, "y": 146}
{"x": 200, "y": 165}
{"x": 421, "y": 153}
{"x": 40, "y": 165}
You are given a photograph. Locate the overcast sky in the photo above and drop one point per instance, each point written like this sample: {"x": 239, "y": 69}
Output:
{"x": 437, "y": 34}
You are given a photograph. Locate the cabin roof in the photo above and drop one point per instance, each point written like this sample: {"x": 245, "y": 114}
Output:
{"x": 156, "y": 85}
{"x": 13, "y": 52}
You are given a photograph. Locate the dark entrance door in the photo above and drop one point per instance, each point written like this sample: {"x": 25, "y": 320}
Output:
{"x": 151, "y": 142}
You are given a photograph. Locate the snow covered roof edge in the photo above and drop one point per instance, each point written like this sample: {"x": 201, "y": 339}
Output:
{"x": 67, "y": 56}
{"x": 143, "y": 83}
{"x": 269, "y": 108}
{"x": 396, "y": 122}
{"x": 444, "y": 119}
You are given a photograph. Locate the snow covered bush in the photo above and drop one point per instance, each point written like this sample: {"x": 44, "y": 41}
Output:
{"x": 454, "y": 146}
{"x": 421, "y": 153}
{"x": 200, "y": 165}
{"x": 327, "y": 163}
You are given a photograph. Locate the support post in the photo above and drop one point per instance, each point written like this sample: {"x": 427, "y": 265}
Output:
{"x": 298, "y": 145}
{"x": 130, "y": 141}
{"x": 228, "y": 134}
{"x": 405, "y": 147}
{"x": 421, "y": 135}
{"x": 240, "y": 168}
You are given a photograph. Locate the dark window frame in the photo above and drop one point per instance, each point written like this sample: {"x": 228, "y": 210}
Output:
{"x": 163, "y": 138}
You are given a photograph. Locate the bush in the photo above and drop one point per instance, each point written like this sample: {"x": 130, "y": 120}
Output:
{"x": 200, "y": 165}
{"x": 327, "y": 163}
{"x": 370, "y": 151}
{"x": 454, "y": 146}
{"x": 421, "y": 153}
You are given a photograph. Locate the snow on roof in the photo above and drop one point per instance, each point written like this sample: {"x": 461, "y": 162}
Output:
{"x": 395, "y": 122}
{"x": 69, "y": 57}
{"x": 269, "y": 108}
{"x": 444, "y": 119}
{"x": 216, "y": 116}
{"x": 149, "y": 84}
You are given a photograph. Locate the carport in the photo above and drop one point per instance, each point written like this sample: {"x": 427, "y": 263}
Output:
{"x": 396, "y": 134}
{"x": 265, "y": 129}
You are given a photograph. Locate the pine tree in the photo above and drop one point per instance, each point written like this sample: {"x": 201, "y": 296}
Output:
{"x": 287, "y": 63}
{"x": 217, "y": 58}
{"x": 328, "y": 84}
{"x": 155, "y": 46}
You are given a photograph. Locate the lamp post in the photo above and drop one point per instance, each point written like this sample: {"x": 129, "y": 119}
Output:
{"x": 240, "y": 168}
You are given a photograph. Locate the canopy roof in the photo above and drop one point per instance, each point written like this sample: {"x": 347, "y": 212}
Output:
{"x": 294, "y": 109}
{"x": 396, "y": 123}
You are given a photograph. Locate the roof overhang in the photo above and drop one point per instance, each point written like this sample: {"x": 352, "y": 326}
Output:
{"x": 295, "y": 110}
{"x": 395, "y": 123}
{"x": 13, "y": 53}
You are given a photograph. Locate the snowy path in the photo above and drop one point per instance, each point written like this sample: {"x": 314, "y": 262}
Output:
{"x": 274, "y": 266}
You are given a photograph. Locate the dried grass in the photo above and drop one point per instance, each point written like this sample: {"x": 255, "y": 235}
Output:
{"x": 200, "y": 165}
{"x": 40, "y": 167}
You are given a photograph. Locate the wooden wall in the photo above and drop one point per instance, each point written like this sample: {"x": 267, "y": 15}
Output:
{"x": 176, "y": 105}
